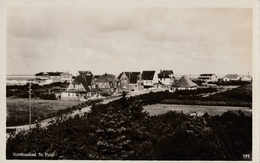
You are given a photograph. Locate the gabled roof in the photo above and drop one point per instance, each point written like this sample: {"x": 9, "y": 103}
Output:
{"x": 39, "y": 74}
{"x": 132, "y": 76}
{"x": 231, "y": 76}
{"x": 106, "y": 78}
{"x": 87, "y": 75}
{"x": 148, "y": 75}
{"x": 81, "y": 80}
{"x": 96, "y": 76}
{"x": 184, "y": 82}
{"x": 165, "y": 74}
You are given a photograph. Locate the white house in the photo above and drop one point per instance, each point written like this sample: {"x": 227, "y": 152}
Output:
{"x": 246, "y": 78}
{"x": 148, "y": 78}
{"x": 208, "y": 78}
{"x": 80, "y": 87}
{"x": 66, "y": 76}
{"x": 166, "y": 77}
{"x": 231, "y": 77}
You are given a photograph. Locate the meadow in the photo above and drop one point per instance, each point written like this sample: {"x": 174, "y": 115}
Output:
{"x": 157, "y": 109}
{"x": 18, "y": 109}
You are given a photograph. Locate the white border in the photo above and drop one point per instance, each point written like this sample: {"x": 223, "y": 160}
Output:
{"x": 138, "y": 3}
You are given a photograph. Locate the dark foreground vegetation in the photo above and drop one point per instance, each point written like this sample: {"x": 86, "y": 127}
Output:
{"x": 121, "y": 130}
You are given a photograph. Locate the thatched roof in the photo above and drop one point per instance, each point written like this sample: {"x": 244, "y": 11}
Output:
{"x": 184, "y": 82}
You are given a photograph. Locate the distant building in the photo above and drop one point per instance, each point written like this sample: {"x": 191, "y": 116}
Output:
{"x": 208, "y": 78}
{"x": 107, "y": 84}
{"x": 48, "y": 77}
{"x": 231, "y": 77}
{"x": 79, "y": 88}
{"x": 128, "y": 81}
{"x": 166, "y": 77}
{"x": 66, "y": 76}
{"x": 246, "y": 78}
{"x": 55, "y": 76}
{"x": 184, "y": 83}
{"x": 148, "y": 78}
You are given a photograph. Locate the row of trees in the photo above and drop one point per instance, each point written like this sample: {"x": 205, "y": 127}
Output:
{"x": 121, "y": 130}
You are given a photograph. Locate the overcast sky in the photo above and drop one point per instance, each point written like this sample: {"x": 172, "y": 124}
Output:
{"x": 112, "y": 40}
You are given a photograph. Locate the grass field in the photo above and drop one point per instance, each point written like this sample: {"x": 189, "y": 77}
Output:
{"x": 18, "y": 109}
{"x": 211, "y": 110}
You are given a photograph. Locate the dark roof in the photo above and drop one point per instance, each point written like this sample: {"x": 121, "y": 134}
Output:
{"x": 106, "y": 78}
{"x": 165, "y": 74}
{"x": 39, "y": 74}
{"x": 232, "y": 76}
{"x": 54, "y": 73}
{"x": 148, "y": 75}
{"x": 132, "y": 76}
{"x": 87, "y": 75}
{"x": 49, "y": 73}
{"x": 184, "y": 82}
{"x": 206, "y": 74}
{"x": 96, "y": 76}
{"x": 120, "y": 75}
{"x": 80, "y": 79}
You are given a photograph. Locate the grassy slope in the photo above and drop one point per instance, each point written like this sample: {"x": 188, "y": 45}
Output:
{"x": 17, "y": 108}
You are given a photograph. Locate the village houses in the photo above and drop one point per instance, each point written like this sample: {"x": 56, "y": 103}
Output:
{"x": 148, "y": 79}
{"x": 51, "y": 77}
{"x": 79, "y": 88}
{"x": 107, "y": 84}
{"x": 231, "y": 77}
{"x": 129, "y": 81}
{"x": 184, "y": 83}
{"x": 208, "y": 78}
{"x": 166, "y": 78}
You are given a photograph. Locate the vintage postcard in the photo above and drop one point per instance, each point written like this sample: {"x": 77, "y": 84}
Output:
{"x": 135, "y": 81}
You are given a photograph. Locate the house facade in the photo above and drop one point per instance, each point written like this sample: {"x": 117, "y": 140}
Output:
{"x": 50, "y": 77}
{"x": 42, "y": 76}
{"x": 107, "y": 84}
{"x": 129, "y": 81}
{"x": 55, "y": 76}
{"x": 208, "y": 78}
{"x": 166, "y": 77}
{"x": 79, "y": 88}
{"x": 231, "y": 77}
{"x": 66, "y": 76}
{"x": 246, "y": 78}
{"x": 148, "y": 78}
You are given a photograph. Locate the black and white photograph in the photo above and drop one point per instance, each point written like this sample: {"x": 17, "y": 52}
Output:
{"x": 140, "y": 82}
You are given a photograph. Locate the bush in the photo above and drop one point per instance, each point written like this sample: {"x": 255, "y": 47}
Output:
{"x": 47, "y": 96}
{"x": 121, "y": 130}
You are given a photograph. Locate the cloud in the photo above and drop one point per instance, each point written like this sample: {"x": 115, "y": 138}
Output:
{"x": 113, "y": 39}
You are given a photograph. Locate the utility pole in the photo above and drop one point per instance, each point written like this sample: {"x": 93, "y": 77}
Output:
{"x": 30, "y": 109}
